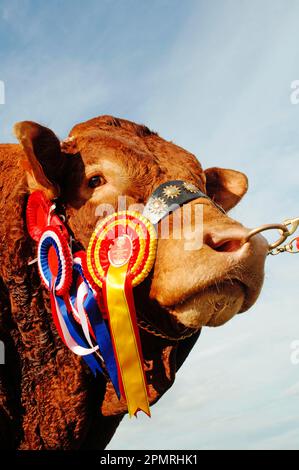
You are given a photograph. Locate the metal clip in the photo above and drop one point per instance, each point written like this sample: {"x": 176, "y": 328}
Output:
{"x": 294, "y": 224}
{"x": 291, "y": 247}
{"x": 277, "y": 251}
{"x": 288, "y": 248}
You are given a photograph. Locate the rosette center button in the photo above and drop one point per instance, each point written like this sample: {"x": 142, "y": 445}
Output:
{"x": 121, "y": 251}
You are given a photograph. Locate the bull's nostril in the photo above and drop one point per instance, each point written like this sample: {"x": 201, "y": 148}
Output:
{"x": 226, "y": 240}
{"x": 227, "y": 245}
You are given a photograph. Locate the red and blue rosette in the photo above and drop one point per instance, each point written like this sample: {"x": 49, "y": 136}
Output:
{"x": 54, "y": 260}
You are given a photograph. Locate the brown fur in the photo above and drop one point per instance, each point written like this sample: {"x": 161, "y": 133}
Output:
{"x": 48, "y": 398}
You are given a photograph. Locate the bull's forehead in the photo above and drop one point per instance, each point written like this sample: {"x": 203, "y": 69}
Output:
{"x": 132, "y": 147}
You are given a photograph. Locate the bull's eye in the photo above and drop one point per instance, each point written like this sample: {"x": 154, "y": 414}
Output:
{"x": 95, "y": 181}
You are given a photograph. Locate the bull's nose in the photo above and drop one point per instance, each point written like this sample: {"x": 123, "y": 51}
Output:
{"x": 229, "y": 239}
{"x": 244, "y": 260}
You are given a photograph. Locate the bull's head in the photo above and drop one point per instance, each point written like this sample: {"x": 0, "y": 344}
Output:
{"x": 105, "y": 158}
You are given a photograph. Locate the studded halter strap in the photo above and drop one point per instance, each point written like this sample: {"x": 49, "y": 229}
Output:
{"x": 170, "y": 196}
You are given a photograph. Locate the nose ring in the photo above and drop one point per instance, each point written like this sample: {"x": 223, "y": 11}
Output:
{"x": 284, "y": 233}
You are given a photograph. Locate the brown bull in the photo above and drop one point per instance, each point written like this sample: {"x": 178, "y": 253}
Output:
{"x": 48, "y": 398}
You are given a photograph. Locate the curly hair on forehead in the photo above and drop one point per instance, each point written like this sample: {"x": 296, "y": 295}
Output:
{"x": 107, "y": 122}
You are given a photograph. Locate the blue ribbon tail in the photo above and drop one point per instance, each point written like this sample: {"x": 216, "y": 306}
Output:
{"x": 103, "y": 339}
{"x": 90, "y": 359}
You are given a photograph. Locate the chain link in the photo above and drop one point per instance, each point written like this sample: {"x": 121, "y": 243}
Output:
{"x": 156, "y": 332}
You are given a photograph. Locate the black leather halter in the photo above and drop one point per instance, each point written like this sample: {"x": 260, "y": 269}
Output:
{"x": 170, "y": 196}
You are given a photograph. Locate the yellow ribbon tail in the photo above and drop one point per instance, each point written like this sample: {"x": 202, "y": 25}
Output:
{"x": 125, "y": 341}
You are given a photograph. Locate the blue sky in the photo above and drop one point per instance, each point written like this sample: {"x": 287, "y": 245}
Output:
{"x": 215, "y": 77}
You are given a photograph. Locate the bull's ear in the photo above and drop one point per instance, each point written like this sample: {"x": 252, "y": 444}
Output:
{"x": 44, "y": 160}
{"x": 226, "y": 187}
